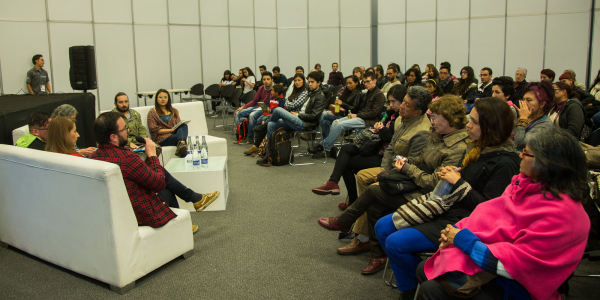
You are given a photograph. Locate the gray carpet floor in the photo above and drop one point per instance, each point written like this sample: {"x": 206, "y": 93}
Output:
{"x": 266, "y": 245}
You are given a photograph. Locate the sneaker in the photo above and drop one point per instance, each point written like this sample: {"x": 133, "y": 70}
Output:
{"x": 194, "y": 229}
{"x": 316, "y": 149}
{"x": 321, "y": 155}
{"x": 207, "y": 199}
{"x": 334, "y": 152}
{"x": 246, "y": 140}
{"x": 329, "y": 187}
{"x": 181, "y": 149}
{"x": 252, "y": 150}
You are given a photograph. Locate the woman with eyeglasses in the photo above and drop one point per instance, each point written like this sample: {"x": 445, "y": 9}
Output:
{"x": 533, "y": 111}
{"x": 567, "y": 113}
{"x": 484, "y": 171}
{"x": 466, "y": 88}
{"x": 413, "y": 77}
{"x": 161, "y": 120}
{"x": 525, "y": 243}
{"x": 62, "y": 136}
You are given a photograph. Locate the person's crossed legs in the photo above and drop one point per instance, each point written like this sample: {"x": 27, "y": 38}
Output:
{"x": 174, "y": 187}
{"x": 252, "y": 121}
{"x": 244, "y": 113}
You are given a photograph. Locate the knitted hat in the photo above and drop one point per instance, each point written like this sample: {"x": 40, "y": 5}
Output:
{"x": 572, "y": 72}
{"x": 549, "y": 73}
{"x": 566, "y": 75}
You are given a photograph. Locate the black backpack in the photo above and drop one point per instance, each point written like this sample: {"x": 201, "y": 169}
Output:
{"x": 242, "y": 130}
{"x": 280, "y": 148}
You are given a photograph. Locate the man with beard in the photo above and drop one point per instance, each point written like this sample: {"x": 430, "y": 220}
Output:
{"x": 150, "y": 187}
{"x": 132, "y": 118}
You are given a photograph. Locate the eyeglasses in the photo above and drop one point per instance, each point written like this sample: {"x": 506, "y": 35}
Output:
{"x": 126, "y": 128}
{"x": 464, "y": 72}
{"x": 525, "y": 153}
{"x": 433, "y": 118}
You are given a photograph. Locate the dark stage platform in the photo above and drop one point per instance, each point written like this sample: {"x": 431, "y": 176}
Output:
{"x": 14, "y": 110}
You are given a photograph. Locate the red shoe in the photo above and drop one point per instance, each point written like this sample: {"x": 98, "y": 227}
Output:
{"x": 342, "y": 206}
{"x": 329, "y": 187}
{"x": 333, "y": 224}
{"x": 375, "y": 264}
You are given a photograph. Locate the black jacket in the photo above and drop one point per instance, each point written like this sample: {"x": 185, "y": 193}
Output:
{"x": 519, "y": 92}
{"x": 448, "y": 87}
{"x": 571, "y": 117}
{"x": 488, "y": 176}
{"x": 352, "y": 102}
{"x": 487, "y": 91}
{"x": 371, "y": 106}
{"x": 314, "y": 109}
{"x": 586, "y": 98}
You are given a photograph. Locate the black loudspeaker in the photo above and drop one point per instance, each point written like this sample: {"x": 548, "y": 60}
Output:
{"x": 82, "y": 73}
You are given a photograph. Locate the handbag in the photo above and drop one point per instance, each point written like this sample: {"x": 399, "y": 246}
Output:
{"x": 393, "y": 182}
{"x": 368, "y": 142}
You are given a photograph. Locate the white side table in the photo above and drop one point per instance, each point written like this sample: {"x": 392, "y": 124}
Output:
{"x": 202, "y": 180}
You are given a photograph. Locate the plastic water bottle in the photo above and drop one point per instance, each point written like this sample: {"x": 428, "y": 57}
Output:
{"x": 441, "y": 189}
{"x": 204, "y": 154}
{"x": 196, "y": 157}
{"x": 189, "y": 159}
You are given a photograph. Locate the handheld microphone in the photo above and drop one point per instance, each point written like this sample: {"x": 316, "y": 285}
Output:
{"x": 142, "y": 141}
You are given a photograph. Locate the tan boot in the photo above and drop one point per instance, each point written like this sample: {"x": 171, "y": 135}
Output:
{"x": 181, "y": 149}
{"x": 355, "y": 247}
{"x": 251, "y": 150}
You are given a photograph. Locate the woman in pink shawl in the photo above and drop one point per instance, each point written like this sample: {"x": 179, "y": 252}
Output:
{"x": 524, "y": 243}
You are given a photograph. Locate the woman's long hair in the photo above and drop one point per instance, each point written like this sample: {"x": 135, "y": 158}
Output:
{"x": 227, "y": 72}
{"x": 463, "y": 84}
{"x": 433, "y": 69}
{"x": 58, "y": 135}
{"x": 567, "y": 88}
{"x": 418, "y": 76}
{"x": 250, "y": 73}
{"x": 438, "y": 92}
{"x": 358, "y": 69}
{"x": 168, "y": 106}
{"x": 346, "y": 94}
{"x": 297, "y": 90}
{"x": 496, "y": 122}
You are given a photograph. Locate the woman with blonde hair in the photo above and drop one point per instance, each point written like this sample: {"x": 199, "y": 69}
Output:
{"x": 62, "y": 136}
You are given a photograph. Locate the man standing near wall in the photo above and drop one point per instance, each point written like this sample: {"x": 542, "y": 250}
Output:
{"x": 38, "y": 81}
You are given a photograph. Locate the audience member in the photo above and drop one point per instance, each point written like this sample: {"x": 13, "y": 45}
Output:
{"x": 513, "y": 253}
{"x": 594, "y": 89}
{"x": 278, "y": 78}
{"x": 248, "y": 80}
{"x": 62, "y": 136}
{"x": 520, "y": 83}
{"x": 449, "y": 67}
{"x": 132, "y": 118}
{"x": 364, "y": 115}
{"x": 434, "y": 89}
{"x": 588, "y": 101}
{"x": 485, "y": 170}
{"x": 306, "y": 119}
{"x": 431, "y": 73}
{"x": 547, "y": 75}
{"x": 262, "y": 69}
{"x": 533, "y": 111}
{"x": 413, "y": 78}
{"x": 416, "y": 66}
{"x": 575, "y": 82}
{"x": 226, "y": 80}
{"x": 446, "y": 82}
{"x": 300, "y": 69}
{"x": 400, "y": 76}
{"x": 381, "y": 80}
{"x": 503, "y": 87}
{"x": 362, "y": 68}
{"x": 238, "y": 79}
{"x": 161, "y": 120}
{"x": 358, "y": 72}
{"x": 448, "y": 141}
{"x": 276, "y": 100}
{"x": 251, "y": 110}
{"x": 466, "y": 88}
{"x": 69, "y": 111}
{"x": 38, "y": 81}
{"x": 318, "y": 69}
{"x": 38, "y": 131}
{"x": 392, "y": 80}
{"x": 567, "y": 113}
{"x": 335, "y": 77}
{"x": 485, "y": 88}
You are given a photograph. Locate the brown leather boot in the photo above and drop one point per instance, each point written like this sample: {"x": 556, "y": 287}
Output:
{"x": 181, "y": 149}
{"x": 355, "y": 247}
{"x": 375, "y": 264}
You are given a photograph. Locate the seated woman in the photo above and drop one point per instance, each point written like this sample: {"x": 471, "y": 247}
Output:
{"x": 486, "y": 168}
{"x": 525, "y": 243}
{"x": 533, "y": 111}
{"x": 413, "y": 78}
{"x": 350, "y": 161}
{"x": 62, "y": 136}
{"x": 448, "y": 141}
{"x": 161, "y": 120}
{"x": 466, "y": 87}
{"x": 248, "y": 80}
{"x": 69, "y": 111}
{"x": 567, "y": 113}
{"x": 433, "y": 88}
{"x": 226, "y": 80}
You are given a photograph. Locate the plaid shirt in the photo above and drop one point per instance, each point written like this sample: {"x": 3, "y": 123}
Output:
{"x": 142, "y": 182}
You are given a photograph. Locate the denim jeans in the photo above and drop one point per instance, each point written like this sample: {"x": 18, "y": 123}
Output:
{"x": 283, "y": 118}
{"x": 326, "y": 120}
{"x": 244, "y": 113}
{"x": 252, "y": 121}
{"x": 173, "y": 139}
{"x": 337, "y": 127}
{"x": 399, "y": 245}
{"x": 174, "y": 187}
{"x": 596, "y": 119}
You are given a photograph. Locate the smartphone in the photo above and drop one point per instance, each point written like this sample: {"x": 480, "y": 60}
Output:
{"x": 398, "y": 157}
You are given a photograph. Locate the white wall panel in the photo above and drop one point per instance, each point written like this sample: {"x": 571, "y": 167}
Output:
{"x": 152, "y": 57}
{"x": 32, "y": 10}
{"x": 63, "y": 36}
{"x": 355, "y": 54}
{"x": 240, "y": 13}
{"x": 150, "y": 11}
{"x": 215, "y": 54}
{"x": 525, "y": 48}
{"x": 184, "y": 12}
{"x": 420, "y": 46}
{"x": 484, "y": 8}
{"x": 265, "y": 13}
{"x": 487, "y": 50}
{"x": 242, "y": 48}
{"x": 293, "y": 50}
{"x": 391, "y": 11}
{"x": 568, "y": 6}
{"x": 452, "y": 9}
{"x": 213, "y": 13}
{"x": 390, "y": 44}
{"x": 115, "y": 65}
{"x": 520, "y": 7}
{"x": 16, "y": 52}
{"x": 266, "y": 49}
{"x": 112, "y": 11}
{"x": 453, "y": 43}
{"x": 355, "y": 13}
{"x": 70, "y": 10}
{"x": 292, "y": 14}
{"x": 185, "y": 56}
{"x": 420, "y": 10}
{"x": 323, "y": 13}
{"x": 557, "y": 58}
{"x": 324, "y": 47}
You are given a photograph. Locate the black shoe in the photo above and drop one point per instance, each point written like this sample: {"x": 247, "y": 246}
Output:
{"x": 408, "y": 294}
{"x": 263, "y": 161}
{"x": 334, "y": 152}
{"x": 316, "y": 149}
{"x": 320, "y": 154}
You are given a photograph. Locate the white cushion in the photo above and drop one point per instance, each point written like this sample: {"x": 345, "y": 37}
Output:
{"x": 19, "y": 132}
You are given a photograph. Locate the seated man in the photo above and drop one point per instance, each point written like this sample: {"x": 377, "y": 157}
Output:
{"x": 251, "y": 110}
{"x": 367, "y": 115}
{"x": 306, "y": 119}
{"x": 132, "y": 118}
{"x": 38, "y": 131}
{"x": 149, "y": 186}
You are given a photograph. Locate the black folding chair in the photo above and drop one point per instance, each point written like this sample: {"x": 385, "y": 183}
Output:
{"x": 196, "y": 93}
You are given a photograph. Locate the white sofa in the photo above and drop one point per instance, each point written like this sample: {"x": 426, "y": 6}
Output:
{"x": 75, "y": 213}
{"x": 193, "y": 111}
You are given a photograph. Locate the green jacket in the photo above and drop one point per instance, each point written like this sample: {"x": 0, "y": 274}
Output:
{"x": 135, "y": 126}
